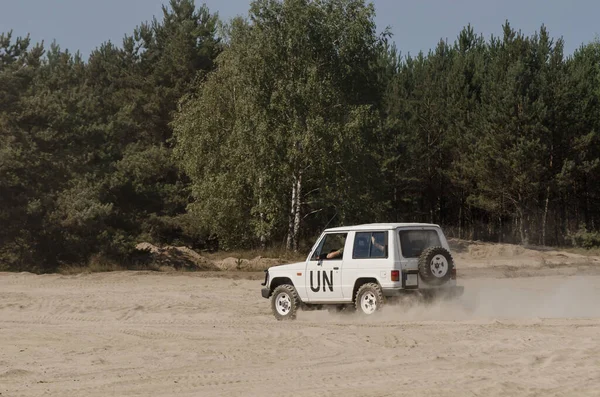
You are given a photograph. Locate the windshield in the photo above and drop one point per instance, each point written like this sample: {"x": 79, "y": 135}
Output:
{"x": 414, "y": 242}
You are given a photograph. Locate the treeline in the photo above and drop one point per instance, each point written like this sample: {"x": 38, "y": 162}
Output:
{"x": 264, "y": 130}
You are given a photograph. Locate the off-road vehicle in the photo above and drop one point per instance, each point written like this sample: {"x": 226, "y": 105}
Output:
{"x": 360, "y": 267}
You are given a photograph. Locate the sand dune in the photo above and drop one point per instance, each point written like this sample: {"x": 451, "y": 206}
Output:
{"x": 475, "y": 254}
{"x": 143, "y": 334}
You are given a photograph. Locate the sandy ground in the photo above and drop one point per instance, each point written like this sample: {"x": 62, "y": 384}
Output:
{"x": 144, "y": 334}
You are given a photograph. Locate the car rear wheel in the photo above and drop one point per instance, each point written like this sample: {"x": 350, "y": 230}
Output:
{"x": 369, "y": 299}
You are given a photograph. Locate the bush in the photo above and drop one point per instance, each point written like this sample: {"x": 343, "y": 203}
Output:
{"x": 584, "y": 239}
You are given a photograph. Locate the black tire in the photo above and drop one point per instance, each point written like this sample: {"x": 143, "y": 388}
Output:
{"x": 373, "y": 293}
{"x": 436, "y": 265}
{"x": 285, "y": 302}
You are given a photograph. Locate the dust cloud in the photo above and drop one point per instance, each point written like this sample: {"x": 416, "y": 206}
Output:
{"x": 492, "y": 299}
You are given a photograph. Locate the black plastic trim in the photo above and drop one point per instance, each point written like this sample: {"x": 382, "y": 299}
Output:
{"x": 449, "y": 292}
{"x": 266, "y": 278}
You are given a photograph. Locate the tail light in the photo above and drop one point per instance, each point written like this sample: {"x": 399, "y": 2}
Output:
{"x": 395, "y": 275}
{"x": 453, "y": 273}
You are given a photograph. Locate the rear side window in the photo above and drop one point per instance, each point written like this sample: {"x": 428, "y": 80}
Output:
{"x": 370, "y": 245}
{"x": 414, "y": 242}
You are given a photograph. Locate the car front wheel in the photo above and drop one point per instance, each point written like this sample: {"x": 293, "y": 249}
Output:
{"x": 285, "y": 302}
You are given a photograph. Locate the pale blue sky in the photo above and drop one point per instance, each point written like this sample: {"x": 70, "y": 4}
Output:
{"x": 416, "y": 24}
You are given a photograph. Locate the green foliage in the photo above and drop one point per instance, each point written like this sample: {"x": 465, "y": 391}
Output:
{"x": 85, "y": 161}
{"x": 279, "y": 129}
{"x": 496, "y": 134}
{"x": 297, "y": 117}
{"x": 585, "y": 239}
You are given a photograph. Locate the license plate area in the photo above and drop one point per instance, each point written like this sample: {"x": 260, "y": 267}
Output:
{"x": 410, "y": 279}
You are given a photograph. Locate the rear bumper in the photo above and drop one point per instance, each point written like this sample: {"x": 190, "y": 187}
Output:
{"x": 447, "y": 292}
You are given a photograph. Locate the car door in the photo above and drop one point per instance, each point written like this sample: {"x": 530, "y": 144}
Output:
{"x": 413, "y": 242}
{"x": 324, "y": 269}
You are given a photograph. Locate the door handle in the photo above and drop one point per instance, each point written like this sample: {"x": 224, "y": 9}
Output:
{"x": 336, "y": 268}
{"x": 320, "y": 263}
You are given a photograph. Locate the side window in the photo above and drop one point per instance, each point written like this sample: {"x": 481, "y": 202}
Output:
{"x": 414, "y": 242}
{"x": 331, "y": 247}
{"x": 370, "y": 245}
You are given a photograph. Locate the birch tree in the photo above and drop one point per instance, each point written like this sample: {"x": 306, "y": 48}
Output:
{"x": 274, "y": 134}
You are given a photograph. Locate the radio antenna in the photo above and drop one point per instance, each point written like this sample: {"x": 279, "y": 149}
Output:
{"x": 334, "y": 215}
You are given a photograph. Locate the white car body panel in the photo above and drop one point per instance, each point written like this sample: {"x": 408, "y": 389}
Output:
{"x": 333, "y": 280}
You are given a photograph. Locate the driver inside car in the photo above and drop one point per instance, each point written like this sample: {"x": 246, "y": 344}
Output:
{"x": 336, "y": 254}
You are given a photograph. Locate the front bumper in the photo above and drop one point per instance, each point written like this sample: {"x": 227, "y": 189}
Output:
{"x": 441, "y": 292}
{"x": 265, "y": 292}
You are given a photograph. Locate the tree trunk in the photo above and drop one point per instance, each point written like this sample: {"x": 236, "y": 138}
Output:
{"x": 521, "y": 226}
{"x": 501, "y": 237}
{"x": 471, "y": 225}
{"x": 396, "y": 202}
{"x": 586, "y": 215}
{"x": 298, "y": 212}
{"x": 295, "y": 214}
{"x": 460, "y": 220}
{"x": 545, "y": 217}
{"x": 262, "y": 237}
{"x": 292, "y": 218}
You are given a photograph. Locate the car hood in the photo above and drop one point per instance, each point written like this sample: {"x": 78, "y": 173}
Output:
{"x": 288, "y": 267}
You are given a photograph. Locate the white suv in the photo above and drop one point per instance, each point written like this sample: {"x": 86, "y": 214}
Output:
{"x": 361, "y": 266}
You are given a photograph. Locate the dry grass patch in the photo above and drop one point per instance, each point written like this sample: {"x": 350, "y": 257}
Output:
{"x": 279, "y": 253}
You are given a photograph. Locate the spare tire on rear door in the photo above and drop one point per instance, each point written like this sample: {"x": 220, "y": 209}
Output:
{"x": 436, "y": 265}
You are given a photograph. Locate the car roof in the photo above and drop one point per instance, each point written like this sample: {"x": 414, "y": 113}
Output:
{"x": 379, "y": 226}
